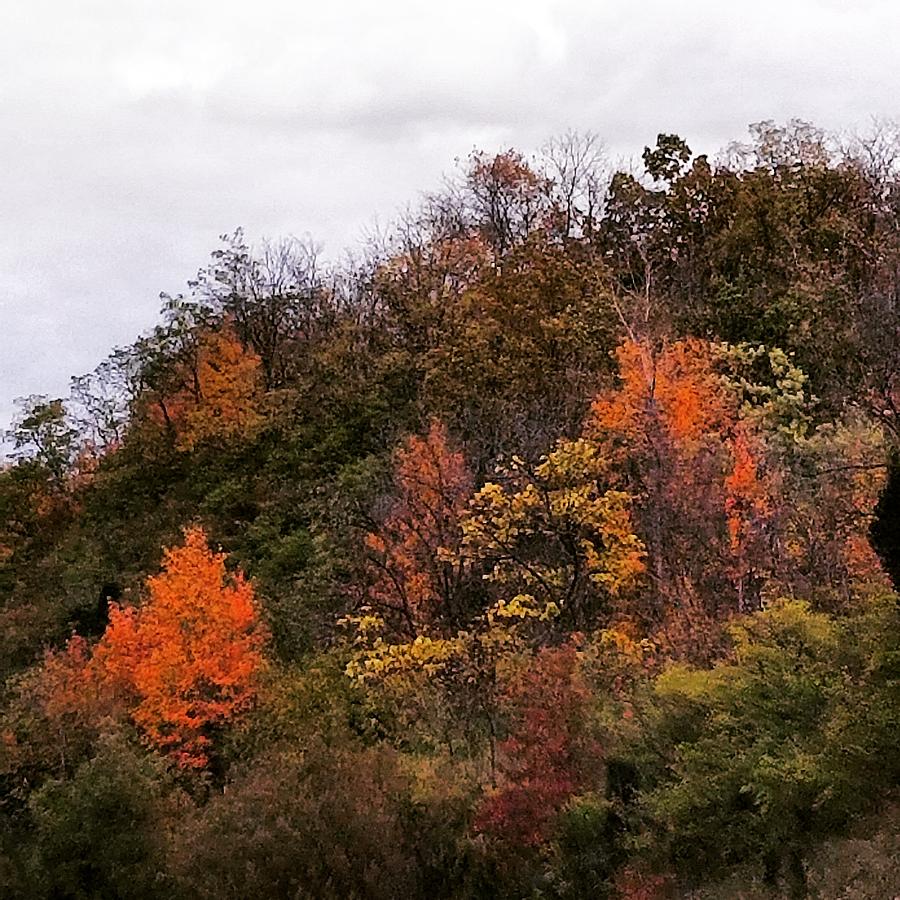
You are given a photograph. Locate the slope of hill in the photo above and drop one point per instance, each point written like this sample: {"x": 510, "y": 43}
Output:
{"x": 543, "y": 550}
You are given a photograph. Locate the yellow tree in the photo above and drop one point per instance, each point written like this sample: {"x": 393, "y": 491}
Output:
{"x": 226, "y": 397}
{"x": 209, "y": 389}
{"x": 553, "y": 534}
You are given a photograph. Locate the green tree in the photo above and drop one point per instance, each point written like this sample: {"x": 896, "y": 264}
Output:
{"x": 98, "y": 836}
{"x": 761, "y": 756}
{"x": 43, "y": 434}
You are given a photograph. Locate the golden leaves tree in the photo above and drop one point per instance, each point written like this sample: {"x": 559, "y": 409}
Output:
{"x": 225, "y": 399}
{"x": 552, "y": 534}
{"x": 208, "y": 389}
{"x": 548, "y": 540}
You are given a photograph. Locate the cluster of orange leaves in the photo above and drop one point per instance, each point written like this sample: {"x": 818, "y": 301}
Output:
{"x": 677, "y": 387}
{"x": 748, "y": 499}
{"x": 221, "y": 397}
{"x": 673, "y": 406}
{"x": 433, "y": 488}
{"x": 180, "y": 665}
{"x": 189, "y": 656}
{"x": 507, "y": 171}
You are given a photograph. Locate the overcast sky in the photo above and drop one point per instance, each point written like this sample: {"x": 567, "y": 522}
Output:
{"x": 134, "y": 132}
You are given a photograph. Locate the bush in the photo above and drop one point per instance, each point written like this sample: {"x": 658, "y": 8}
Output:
{"x": 758, "y": 759}
{"x": 99, "y": 835}
{"x": 326, "y": 823}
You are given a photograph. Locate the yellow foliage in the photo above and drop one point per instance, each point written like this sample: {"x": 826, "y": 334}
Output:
{"x": 560, "y": 504}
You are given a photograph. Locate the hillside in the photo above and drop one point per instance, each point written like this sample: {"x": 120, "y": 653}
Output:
{"x": 542, "y": 548}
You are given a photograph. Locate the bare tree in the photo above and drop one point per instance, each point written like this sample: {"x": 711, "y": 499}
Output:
{"x": 576, "y": 166}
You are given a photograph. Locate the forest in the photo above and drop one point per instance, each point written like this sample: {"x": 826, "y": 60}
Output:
{"x": 545, "y": 545}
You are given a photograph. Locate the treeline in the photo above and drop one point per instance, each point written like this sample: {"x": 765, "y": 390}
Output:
{"x": 542, "y": 547}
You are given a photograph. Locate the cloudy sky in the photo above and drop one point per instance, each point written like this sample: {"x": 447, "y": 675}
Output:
{"x": 134, "y": 132}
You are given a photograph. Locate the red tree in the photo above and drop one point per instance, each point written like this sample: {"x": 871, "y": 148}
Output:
{"x": 409, "y": 576}
{"x": 549, "y": 754}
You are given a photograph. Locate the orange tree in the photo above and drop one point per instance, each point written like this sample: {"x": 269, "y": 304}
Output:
{"x": 223, "y": 400}
{"x": 189, "y": 657}
{"x": 409, "y": 579}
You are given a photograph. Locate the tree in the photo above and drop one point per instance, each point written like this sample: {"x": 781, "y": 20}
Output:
{"x": 507, "y": 198}
{"x": 227, "y": 401}
{"x": 42, "y": 433}
{"x": 670, "y": 431}
{"x": 548, "y": 754}
{"x": 715, "y": 442}
{"x": 575, "y": 166}
{"x": 521, "y": 349}
{"x": 207, "y": 390}
{"x": 274, "y": 297}
{"x": 552, "y": 533}
{"x": 101, "y": 833}
{"x": 190, "y": 656}
{"x": 759, "y": 756}
{"x": 54, "y": 715}
{"x": 163, "y": 363}
{"x": 410, "y": 577}
{"x": 99, "y": 402}
{"x": 666, "y": 161}
{"x": 325, "y": 822}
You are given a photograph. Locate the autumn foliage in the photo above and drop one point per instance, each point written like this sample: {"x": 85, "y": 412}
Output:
{"x": 681, "y": 442}
{"x": 60, "y": 707}
{"x": 671, "y": 395}
{"x": 521, "y": 489}
{"x": 410, "y": 578}
{"x": 219, "y": 393}
{"x": 189, "y": 657}
{"x": 549, "y": 753}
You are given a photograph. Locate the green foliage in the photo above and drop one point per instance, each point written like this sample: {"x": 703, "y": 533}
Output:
{"x": 667, "y": 159}
{"x": 42, "y": 433}
{"x": 99, "y": 834}
{"x": 760, "y": 756}
{"x": 586, "y": 851}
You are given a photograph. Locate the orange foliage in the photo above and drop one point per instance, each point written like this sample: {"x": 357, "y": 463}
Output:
{"x": 507, "y": 195}
{"x": 746, "y": 494}
{"x": 221, "y": 397}
{"x": 438, "y": 266}
{"x": 861, "y": 491}
{"x": 59, "y": 707}
{"x": 65, "y": 675}
{"x": 504, "y": 179}
{"x": 678, "y": 388}
{"x": 748, "y": 507}
{"x": 189, "y": 657}
{"x": 677, "y": 439}
{"x": 433, "y": 485}
{"x": 229, "y": 378}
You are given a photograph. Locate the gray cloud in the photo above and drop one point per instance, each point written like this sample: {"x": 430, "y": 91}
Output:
{"x": 134, "y": 133}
